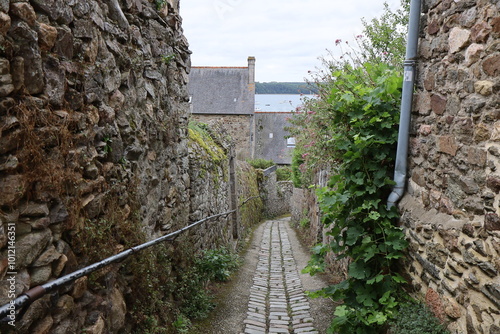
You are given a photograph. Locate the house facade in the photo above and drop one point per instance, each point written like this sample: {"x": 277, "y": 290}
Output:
{"x": 271, "y": 137}
{"x": 256, "y": 123}
{"x": 226, "y": 95}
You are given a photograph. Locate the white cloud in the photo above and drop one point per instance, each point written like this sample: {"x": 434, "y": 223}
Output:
{"x": 286, "y": 37}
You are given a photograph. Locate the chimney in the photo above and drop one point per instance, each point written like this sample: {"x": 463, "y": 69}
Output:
{"x": 251, "y": 70}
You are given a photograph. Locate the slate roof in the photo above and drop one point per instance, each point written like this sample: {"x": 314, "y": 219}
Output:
{"x": 221, "y": 90}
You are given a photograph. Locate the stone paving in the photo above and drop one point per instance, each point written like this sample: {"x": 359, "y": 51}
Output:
{"x": 277, "y": 301}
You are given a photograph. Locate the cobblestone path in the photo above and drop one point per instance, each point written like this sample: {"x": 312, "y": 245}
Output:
{"x": 277, "y": 301}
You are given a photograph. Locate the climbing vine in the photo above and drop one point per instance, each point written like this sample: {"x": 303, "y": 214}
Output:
{"x": 352, "y": 128}
{"x": 363, "y": 119}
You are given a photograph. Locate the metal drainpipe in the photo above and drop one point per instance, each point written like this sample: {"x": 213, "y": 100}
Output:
{"x": 410, "y": 63}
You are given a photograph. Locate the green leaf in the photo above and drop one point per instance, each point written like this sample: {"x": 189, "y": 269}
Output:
{"x": 376, "y": 279}
{"x": 398, "y": 278}
{"x": 377, "y": 318}
{"x": 359, "y": 270}
{"x": 353, "y": 234}
{"x": 341, "y": 311}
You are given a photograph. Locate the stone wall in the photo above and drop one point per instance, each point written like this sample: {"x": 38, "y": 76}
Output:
{"x": 238, "y": 127}
{"x": 306, "y": 218}
{"x": 451, "y": 211}
{"x": 211, "y": 161}
{"x": 249, "y": 193}
{"x": 95, "y": 157}
{"x": 275, "y": 194}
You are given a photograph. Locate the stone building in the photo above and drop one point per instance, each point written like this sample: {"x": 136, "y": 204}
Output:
{"x": 271, "y": 142}
{"x": 225, "y": 94}
{"x": 272, "y": 114}
{"x": 451, "y": 210}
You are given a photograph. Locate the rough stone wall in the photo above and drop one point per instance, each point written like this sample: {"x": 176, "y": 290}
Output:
{"x": 93, "y": 120}
{"x": 237, "y": 126}
{"x": 306, "y": 217}
{"x": 95, "y": 155}
{"x": 451, "y": 212}
{"x": 275, "y": 194}
{"x": 248, "y": 190}
{"x": 209, "y": 168}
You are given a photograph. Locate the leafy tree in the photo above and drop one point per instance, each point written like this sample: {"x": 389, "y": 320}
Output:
{"x": 385, "y": 37}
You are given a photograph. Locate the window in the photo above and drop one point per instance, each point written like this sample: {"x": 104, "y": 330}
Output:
{"x": 290, "y": 142}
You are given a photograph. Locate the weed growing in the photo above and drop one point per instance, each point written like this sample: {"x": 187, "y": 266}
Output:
{"x": 284, "y": 174}
{"x": 416, "y": 318}
{"x": 260, "y": 163}
{"x": 192, "y": 288}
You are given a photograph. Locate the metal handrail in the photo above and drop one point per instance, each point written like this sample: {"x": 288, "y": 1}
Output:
{"x": 37, "y": 292}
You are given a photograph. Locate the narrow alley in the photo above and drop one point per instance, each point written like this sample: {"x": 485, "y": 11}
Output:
{"x": 268, "y": 295}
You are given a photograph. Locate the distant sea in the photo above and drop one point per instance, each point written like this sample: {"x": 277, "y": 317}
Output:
{"x": 279, "y": 102}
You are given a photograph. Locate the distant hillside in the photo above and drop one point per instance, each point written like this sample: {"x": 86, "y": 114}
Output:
{"x": 284, "y": 88}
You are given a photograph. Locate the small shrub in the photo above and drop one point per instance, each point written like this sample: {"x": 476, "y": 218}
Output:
{"x": 217, "y": 264}
{"x": 167, "y": 59}
{"x": 304, "y": 223}
{"x": 284, "y": 174}
{"x": 196, "y": 302}
{"x": 214, "y": 265}
{"x": 160, "y": 4}
{"x": 415, "y": 318}
{"x": 261, "y": 163}
{"x": 182, "y": 324}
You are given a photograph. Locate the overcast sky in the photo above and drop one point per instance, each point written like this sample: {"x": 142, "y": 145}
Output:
{"x": 285, "y": 36}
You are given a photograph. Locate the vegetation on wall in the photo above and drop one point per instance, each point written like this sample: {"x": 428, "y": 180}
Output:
{"x": 284, "y": 173}
{"x": 416, "y": 318}
{"x": 200, "y": 134}
{"x": 363, "y": 133}
{"x": 248, "y": 187}
{"x": 192, "y": 289}
{"x": 260, "y": 163}
{"x": 175, "y": 286}
{"x": 352, "y": 127}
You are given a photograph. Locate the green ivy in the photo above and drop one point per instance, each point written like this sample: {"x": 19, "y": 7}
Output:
{"x": 364, "y": 118}
{"x": 351, "y": 129}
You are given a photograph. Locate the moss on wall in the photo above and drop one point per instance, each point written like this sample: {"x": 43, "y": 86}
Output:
{"x": 199, "y": 133}
{"x": 248, "y": 187}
